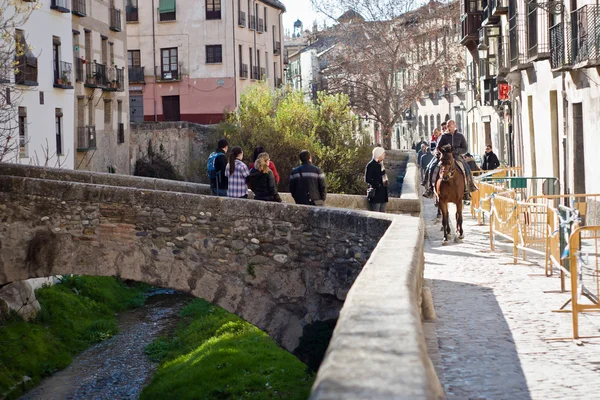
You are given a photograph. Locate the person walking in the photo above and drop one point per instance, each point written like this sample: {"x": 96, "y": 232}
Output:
{"x": 376, "y": 178}
{"x": 471, "y": 161}
{"x": 262, "y": 181}
{"x": 490, "y": 160}
{"x": 216, "y": 166}
{"x": 258, "y": 150}
{"x": 307, "y": 182}
{"x": 236, "y": 173}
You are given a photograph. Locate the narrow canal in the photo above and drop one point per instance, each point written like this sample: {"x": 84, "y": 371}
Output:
{"x": 117, "y": 368}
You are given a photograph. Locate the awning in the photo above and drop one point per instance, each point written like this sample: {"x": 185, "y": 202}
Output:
{"x": 166, "y": 6}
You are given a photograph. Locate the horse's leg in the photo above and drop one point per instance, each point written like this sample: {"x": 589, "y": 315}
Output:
{"x": 445, "y": 219}
{"x": 459, "y": 220}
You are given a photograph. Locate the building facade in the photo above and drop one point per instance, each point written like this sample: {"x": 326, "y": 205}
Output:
{"x": 191, "y": 60}
{"x": 534, "y": 73}
{"x": 101, "y": 101}
{"x": 40, "y": 89}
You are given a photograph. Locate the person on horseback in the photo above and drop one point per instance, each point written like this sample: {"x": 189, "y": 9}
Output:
{"x": 459, "y": 143}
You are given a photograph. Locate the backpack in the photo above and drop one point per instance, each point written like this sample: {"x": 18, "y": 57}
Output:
{"x": 210, "y": 166}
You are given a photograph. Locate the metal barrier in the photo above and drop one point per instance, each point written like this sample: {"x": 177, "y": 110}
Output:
{"x": 503, "y": 221}
{"x": 481, "y": 200}
{"x": 526, "y": 187}
{"x": 584, "y": 251}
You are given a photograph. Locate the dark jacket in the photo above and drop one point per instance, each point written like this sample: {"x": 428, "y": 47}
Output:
{"x": 307, "y": 184}
{"x": 473, "y": 165}
{"x": 374, "y": 177}
{"x": 220, "y": 166}
{"x": 490, "y": 161}
{"x": 457, "y": 140}
{"x": 425, "y": 159}
{"x": 263, "y": 185}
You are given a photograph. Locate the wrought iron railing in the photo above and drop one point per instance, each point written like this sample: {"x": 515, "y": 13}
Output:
{"x": 585, "y": 34}
{"x": 244, "y": 71}
{"x": 517, "y": 40}
{"x": 86, "y": 138}
{"x": 263, "y": 73}
{"x": 63, "y": 6}
{"x": 136, "y": 74}
{"x": 96, "y": 75}
{"x": 115, "y": 19}
{"x": 538, "y": 44}
{"x": 26, "y": 70}
{"x": 131, "y": 14}
{"x": 252, "y": 22}
{"x": 560, "y": 46}
{"x": 242, "y": 19}
{"x": 79, "y": 8}
{"x": 261, "y": 25}
{"x": 119, "y": 78}
{"x": 277, "y": 48}
{"x": 63, "y": 74}
{"x": 255, "y": 73}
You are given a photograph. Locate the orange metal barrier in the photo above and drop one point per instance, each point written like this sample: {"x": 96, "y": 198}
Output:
{"x": 504, "y": 221}
{"x": 584, "y": 251}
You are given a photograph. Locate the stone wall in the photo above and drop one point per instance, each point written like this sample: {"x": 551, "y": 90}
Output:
{"x": 275, "y": 265}
{"x": 187, "y": 144}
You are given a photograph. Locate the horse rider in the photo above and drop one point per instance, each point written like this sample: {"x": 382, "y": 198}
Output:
{"x": 459, "y": 144}
{"x": 435, "y": 138}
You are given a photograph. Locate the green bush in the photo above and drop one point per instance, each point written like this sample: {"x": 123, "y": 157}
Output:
{"x": 285, "y": 123}
{"x": 216, "y": 355}
{"x": 75, "y": 314}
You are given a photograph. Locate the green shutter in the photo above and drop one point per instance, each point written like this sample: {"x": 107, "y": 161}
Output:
{"x": 166, "y": 6}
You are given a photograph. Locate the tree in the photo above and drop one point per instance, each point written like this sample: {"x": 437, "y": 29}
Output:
{"x": 285, "y": 123}
{"x": 13, "y": 56}
{"x": 388, "y": 53}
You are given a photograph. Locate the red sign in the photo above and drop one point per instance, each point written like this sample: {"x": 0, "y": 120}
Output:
{"x": 503, "y": 91}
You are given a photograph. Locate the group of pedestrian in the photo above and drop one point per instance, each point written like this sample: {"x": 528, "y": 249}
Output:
{"x": 230, "y": 177}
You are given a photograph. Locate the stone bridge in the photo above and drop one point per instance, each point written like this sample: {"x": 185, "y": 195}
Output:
{"x": 278, "y": 266}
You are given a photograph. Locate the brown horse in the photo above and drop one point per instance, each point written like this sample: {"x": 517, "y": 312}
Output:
{"x": 449, "y": 188}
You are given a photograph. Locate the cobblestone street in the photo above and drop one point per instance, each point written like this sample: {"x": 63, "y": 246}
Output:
{"x": 489, "y": 340}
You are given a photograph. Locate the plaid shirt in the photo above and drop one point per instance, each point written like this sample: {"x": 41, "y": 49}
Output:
{"x": 237, "y": 182}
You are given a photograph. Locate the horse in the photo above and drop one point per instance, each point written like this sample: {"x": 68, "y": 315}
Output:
{"x": 449, "y": 188}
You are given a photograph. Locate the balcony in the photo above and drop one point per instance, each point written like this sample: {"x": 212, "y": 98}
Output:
{"x": 263, "y": 73}
{"x": 26, "y": 70}
{"x": 277, "y": 48}
{"x": 120, "y": 132}
{"x": 261, "y": 25}
{"x": 115, "y": 80}
{"x": 255, "y": 73}
{"x": 62, "y": 6}
{"x": 86, "y": 138}
{"x": 252, "y": 22}
{"x": 136, "y": 75}
{"x": 63, "y": 75}
{"x": 96, "y": 75}
{"x": 560, "y": 47}
{"x": 131, "y": 14}
{"x": 585, "y": 36}
{"x": 498, "y": 7}
{"x": 79, "y": 8}
{"x": 115, "y": 19}
{"x": 244, "y": 71}
{"x": 171, "y": 75}
{"x": 242, "y": 19}
{"x": 517, "y": 42}
{"x": 538, "y": 45}
{"x": 471, "y": 22}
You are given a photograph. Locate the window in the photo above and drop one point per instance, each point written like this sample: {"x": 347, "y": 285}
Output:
{"x": 120, "y": 125}
{"x": 131, "y": 10}
{"x": 167, "y": 10}
{"x": 133, "y": 58}
{"x": 214, "y": 54}
{"x": 104, "y": 49}
{"x": 265, "y": 9}
{"x": 42, "y": 98}
{"x": 107, "y": 113}
{"x": 112, "y": 53}
{"x": 169, "y": 70}
{"x": 23, "y": 131}
{"x": 213, "y": 9}
{"x": 59, "y": 147}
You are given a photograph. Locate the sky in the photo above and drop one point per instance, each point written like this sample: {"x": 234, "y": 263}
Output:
{"x": 298, "y": 9}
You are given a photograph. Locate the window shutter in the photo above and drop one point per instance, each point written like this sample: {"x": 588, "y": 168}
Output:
{"x": 166, "y": 6}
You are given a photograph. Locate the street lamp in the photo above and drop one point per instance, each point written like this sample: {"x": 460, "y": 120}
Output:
{"x": 482, "y": 50}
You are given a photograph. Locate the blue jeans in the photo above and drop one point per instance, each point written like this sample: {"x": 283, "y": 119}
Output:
{"x": 220, "y": 192}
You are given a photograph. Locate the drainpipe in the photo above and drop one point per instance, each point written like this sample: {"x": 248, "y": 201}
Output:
{"x": 154, "y": 60}
{"x": 255, "y": 11}
{"x": 565, "y": 134}
{"x": 235, "y": 80}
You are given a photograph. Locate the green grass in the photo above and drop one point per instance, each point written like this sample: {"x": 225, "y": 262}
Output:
{"x": 216, "y": 355}
{"x": 75, "y": 314}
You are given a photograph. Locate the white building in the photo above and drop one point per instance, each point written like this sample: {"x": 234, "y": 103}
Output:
{"x": 535, "y": 76}
{"x": 42, "y": 83}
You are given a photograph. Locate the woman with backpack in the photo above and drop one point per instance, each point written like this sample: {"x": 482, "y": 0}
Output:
{"x": 262, "y": 181}
{"x": 258, "y": 150}
{"x": 237, "y": 172}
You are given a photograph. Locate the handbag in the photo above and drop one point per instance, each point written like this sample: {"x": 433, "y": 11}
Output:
{"x": 370, "y": 193}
